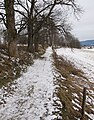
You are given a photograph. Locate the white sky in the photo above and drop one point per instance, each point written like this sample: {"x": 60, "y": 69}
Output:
{"x": 84, "y": 28}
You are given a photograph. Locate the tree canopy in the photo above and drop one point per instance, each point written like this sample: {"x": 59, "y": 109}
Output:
{"x": 40, "y": 21}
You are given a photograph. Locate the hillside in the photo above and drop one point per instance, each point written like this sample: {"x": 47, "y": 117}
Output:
{"x": 73, "y": 84}
{"x": 87, "y": 43}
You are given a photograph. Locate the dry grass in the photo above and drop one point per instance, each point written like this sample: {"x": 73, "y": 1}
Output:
{"x": 71, "y": 82}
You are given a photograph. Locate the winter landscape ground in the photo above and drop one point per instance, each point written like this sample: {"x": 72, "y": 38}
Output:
{"x": 83, "y": 59}
{"x": 33, "y": 95}
{"x": 30, "y": 97}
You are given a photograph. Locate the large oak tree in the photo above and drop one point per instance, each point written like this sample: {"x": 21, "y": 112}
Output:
{"x": 10, "y": 24}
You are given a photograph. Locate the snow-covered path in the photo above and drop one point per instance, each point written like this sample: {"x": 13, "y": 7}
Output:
{"x": 30, "y": 97}
{"x": 81, "y": 58}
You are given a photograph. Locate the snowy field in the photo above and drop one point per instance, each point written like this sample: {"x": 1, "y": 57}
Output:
{"x": 81, "y": 58}
{"x": 31, "y": 96}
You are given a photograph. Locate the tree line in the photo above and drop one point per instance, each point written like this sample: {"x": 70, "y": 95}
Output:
{"x": 37, "y": 22}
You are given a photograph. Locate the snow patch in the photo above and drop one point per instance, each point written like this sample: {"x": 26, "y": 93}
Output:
{"x": 32, "y": 94}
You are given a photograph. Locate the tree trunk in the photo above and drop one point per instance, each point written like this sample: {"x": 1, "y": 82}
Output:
{"x": 30, "y": 36}
{"x": 36, "y": 42}
{"x": 12, "y": 34}
{"x": 36, "y": 45}
{"x": 12, "y": 48}
{"x": 42, "y": 43}
{"x": 30, "y": 27}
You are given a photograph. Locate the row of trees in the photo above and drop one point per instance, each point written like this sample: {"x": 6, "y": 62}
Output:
{"x": 40, "y": 21}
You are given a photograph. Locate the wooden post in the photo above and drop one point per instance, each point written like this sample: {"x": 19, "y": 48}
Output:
{"x": 83, "y": 103}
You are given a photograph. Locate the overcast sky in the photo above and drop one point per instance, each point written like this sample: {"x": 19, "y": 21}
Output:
{"x": 84, "y": 28}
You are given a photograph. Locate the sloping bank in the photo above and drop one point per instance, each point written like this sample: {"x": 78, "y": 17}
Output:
{"x": 70, "y": 81}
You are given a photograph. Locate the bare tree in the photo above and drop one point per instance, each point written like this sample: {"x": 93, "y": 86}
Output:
{"x": 33, "y": 14}
{"x": 10, "y": 23}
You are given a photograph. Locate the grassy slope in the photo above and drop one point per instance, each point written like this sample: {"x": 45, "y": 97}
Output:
{"x": 71, "y": 81}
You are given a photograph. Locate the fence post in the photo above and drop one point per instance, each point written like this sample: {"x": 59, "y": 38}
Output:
{"x": 83, "y": 103}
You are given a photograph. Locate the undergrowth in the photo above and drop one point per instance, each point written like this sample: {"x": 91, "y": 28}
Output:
{"x": 12, "y": 68}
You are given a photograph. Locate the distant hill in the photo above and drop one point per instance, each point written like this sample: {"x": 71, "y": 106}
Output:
{"x": 87, "y": 43}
